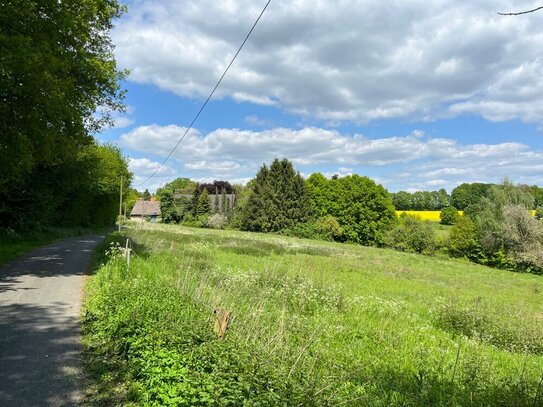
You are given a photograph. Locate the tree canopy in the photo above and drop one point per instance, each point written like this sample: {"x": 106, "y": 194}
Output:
{"x": 278, "y": 200}
{"x": 59, "y": 84}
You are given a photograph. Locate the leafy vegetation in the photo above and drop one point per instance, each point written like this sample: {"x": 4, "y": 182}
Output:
{"x": 59, "y": 84}
{"x": 314, "y": 323}
{"x": 449, "y": 215}
{"x": 278, "y": 199}
{"x": 362, "y": 208}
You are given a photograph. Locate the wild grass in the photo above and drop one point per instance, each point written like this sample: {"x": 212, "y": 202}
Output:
{"x": 314, "y": 323}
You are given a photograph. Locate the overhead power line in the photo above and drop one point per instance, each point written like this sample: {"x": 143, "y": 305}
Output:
{"x": 210, "y": 95}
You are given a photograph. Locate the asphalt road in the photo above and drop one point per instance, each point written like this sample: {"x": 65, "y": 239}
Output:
{"x": 40, "y": 348}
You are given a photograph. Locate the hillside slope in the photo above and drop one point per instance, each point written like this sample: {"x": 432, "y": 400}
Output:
{"x": 313, "y": 323}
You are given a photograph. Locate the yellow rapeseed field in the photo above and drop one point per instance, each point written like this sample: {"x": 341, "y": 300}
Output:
{"x": 425, "y": 215}
{"x": 432, "y": 215}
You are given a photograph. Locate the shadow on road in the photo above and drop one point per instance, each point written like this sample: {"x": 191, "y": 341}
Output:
{"x": 40, "y": 352}
{"x": 40, "y": 349}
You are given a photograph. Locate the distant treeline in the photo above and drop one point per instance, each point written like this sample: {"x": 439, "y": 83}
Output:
{"x": 461, "y": 197}
{"x": 496, "y": 230}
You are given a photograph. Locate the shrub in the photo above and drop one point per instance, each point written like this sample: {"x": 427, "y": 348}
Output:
{"x": 449, "y": 215}
{"x": 304, "y": 230}
{"x": 522, "y": 238}
{"x": 329, "y": 228}
{"x": 412, "y": 235}
{"x": 463, "y": 241}
{"x": 539, "y": 213}
{"x": 216, "y": 221}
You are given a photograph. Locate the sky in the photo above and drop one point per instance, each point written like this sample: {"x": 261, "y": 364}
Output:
{"x": 417, "y": 95}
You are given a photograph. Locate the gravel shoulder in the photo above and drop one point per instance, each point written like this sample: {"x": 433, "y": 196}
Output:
{"x": 40, "y": 303}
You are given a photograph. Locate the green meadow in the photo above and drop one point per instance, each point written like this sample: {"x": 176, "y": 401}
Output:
{"x": 313, "y": 324}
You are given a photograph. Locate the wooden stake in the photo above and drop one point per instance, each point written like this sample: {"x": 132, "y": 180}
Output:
{"x": 121, "y": 204}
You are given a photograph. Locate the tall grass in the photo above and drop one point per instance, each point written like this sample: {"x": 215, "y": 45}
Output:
{"x": 314, "y": 323}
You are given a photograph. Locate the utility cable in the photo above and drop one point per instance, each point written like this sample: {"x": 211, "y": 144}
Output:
{"x": 210, "y": 95}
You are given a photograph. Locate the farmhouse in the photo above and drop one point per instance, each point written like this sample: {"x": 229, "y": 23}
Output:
{"x": 146, "y": 209}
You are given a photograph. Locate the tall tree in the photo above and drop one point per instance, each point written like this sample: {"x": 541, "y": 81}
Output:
{"x": 279, "y": 199}
{"x": 59, "y": 85}
{"x": 204, "y": 204}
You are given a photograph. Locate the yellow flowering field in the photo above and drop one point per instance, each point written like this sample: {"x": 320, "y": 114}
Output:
{"x": 432, "y": 215}
{"x": 425, "y": 215}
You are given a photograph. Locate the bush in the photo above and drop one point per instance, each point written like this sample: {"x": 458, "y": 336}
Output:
{"x": 329, "y": 228}
{"x": 412, "y": 235}
{"x": 304, "y": 230}
{"x": 463, "y": 241}
{"x": 449, "y": 215}
{"x": 216, "y": 221}
{"x": 523, "y": 238}
{"x": 539, "y": 213}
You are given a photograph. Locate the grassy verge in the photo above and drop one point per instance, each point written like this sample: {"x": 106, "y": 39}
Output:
{"x": 13, "y": 245}
{"x": 314, "y": 323}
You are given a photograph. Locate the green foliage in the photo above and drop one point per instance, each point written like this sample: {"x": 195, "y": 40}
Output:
{"x": 217, "y": 221}
{"x": 465, "y": 194}
{"x": 463, "y": 241}
{"x": 329, "y": 228}
{"x": 177, "y": 186}
{"x": 59, "y": 80}
{"x": 509, "y": 236}
{"x": 83, "y": 191}
{"x": 314, "y": 323}
{"x": 204, "y": 204}
{"x": 146, "y": 195}
{"x": 480, "y": 323}
{"x": 169, "y": 212}
{"x": 412, "y": 235}
{"x": 59, "y": 85}
{"x": 363, "y": 209}
{"x": 449, "y": 215}
{"x": 539, "y": 213}
{"x": 421, "y": 200}
{"x": 278, "y": 199}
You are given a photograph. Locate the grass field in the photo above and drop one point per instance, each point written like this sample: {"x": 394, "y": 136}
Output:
{"x": 314, "y": 323}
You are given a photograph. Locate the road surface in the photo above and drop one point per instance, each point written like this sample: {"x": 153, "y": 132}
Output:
{"x": 40, "y": 348}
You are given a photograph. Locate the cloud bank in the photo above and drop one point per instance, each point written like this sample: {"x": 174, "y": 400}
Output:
{"x": 344, "y": 60}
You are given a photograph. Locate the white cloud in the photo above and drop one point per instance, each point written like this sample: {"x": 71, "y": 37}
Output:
{"x": 344, "y": 60}
{"x": 402, "y": 162}
{"x": 143, "y": 168}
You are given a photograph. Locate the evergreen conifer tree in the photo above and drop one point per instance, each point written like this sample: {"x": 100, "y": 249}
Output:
{"x": 204, "y": 204}
{"x": 223, "y": 202}
{"x": 195, "y": 201}
{"x": 279, "y": 199}
{"x": 216, "y": 208}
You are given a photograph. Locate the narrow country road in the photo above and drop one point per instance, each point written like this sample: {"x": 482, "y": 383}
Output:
{"x": 40, "y": 348}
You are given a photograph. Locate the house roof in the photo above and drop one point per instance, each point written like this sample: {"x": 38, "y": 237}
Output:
{"x": 146, "y": 208}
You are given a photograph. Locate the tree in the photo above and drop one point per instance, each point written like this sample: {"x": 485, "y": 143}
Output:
{"x": 146, "y": 195}
{"x": 204, "y": 204}
{"x": 463, "y": 241}
{"x": 59, "y": 85}
{"x": 466, "y": 194}
{"x": 412, "y": 234}
{"x": 59, "y": 81}
{"x": 168, "y": 208}
{"x": 449, "y": 215}
{"x": 178, "y": 185}
{"x": 363, "y": 209}
{"x": 278, "y": 200}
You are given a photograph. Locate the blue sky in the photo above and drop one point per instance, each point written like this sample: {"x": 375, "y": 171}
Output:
{"x": 417, "y": 95}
